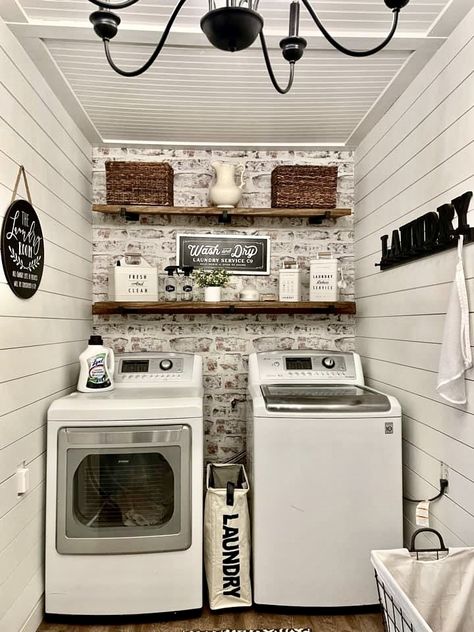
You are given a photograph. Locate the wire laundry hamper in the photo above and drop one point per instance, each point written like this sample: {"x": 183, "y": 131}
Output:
{"x": 394, "y": 618}
{"x": 420, "y": 595}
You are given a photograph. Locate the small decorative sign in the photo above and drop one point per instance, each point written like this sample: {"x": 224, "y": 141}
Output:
{"x": 22, "y": 246}
{"x": 239, "y": 254}
{"x": 133, "y": 279}
{"x": 431, "y": 233}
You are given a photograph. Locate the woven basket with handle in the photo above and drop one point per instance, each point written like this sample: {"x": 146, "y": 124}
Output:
{"x": 304, "y": 186}
{"x": 139, "y": 183}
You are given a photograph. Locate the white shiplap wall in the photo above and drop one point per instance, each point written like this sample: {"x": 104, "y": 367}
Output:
{"x": 420, "y": 155}
{"x": 40, "y": 338}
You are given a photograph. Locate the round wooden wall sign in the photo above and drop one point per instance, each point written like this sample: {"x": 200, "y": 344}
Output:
{"x": 22, "y": 247}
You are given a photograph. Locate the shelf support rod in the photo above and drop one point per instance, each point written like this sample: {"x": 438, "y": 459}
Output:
{"x": 130, "y": 217}
{"x": 225, "y": 218}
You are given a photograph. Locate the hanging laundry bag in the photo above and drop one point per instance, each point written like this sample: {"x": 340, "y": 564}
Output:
{"x": 426, "y": 590}
{"x": 227, "y": 537}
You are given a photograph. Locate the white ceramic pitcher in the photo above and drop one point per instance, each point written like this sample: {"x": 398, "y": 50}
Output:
{"x": 225, "y": 193}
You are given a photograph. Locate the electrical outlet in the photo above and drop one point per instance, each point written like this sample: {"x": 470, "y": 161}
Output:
{"x": 22, "y": 479}
{"x": 444, "y": 471}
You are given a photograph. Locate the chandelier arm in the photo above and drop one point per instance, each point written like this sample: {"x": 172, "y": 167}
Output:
{"x": 348, "y": 51}
{"x": 154, "y": 55}
{"x": 271, "y": 74}
{"x": 119, "y": 5}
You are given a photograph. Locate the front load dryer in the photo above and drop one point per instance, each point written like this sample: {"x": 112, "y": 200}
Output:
{"x": 326, "y": 478}
{"x": 124, "y": 491}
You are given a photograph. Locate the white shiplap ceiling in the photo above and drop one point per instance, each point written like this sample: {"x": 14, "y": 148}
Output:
{"x": 339, "y": 15}
{"x": 197, "y": 95}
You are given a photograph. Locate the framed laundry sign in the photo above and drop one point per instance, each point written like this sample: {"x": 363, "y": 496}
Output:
{"x": 238, "y": 254}
{"x": 22, "y": 244}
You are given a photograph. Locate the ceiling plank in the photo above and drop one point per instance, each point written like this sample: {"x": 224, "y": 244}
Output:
{"x": 11, "y": 11}
{"x": 45, "y": 63}
{"x": 417, "y": 60}
{"x": 171, "y": 144}
{"x": 450, "y": 17}
{"x": 143, "y": 34}
{"x": 338, "y": 15}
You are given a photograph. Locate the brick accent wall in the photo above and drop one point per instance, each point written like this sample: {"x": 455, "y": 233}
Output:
{"x": 224, "y": 341}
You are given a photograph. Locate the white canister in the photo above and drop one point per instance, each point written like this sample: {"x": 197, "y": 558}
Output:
{"x": 133, "y": 279}
{"x": 212, "y": 293}
{"x": 323, "y": 278}
{"x": 289, "y": 283}
{"x": 249, "y": 293}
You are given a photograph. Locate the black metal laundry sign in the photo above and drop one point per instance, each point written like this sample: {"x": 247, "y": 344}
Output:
{"x": 239, "y": 254}
{"x": 22, "y": 245}
{"x": 428, "y": 234}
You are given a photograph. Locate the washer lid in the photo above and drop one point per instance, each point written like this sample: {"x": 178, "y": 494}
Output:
{"x": 317, "y": 398}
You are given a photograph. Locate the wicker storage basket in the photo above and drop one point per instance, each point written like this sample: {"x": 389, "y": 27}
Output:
{"x": 139, "y": 183}
{"x": 295, "y": 186}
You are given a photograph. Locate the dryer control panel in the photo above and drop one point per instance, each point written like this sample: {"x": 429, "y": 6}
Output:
{"x": 154, "y": 369}
{"x": 305, "y": 366}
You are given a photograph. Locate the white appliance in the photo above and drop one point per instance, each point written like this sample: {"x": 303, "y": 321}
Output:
{"x": 124, "y": 491}
{"x": 326, "y": 478}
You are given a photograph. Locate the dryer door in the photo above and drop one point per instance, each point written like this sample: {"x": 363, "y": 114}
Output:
{"x": 124, "y": 490}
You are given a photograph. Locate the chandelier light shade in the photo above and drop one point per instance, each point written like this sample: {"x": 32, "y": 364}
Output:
{"x": 232, "y": 28}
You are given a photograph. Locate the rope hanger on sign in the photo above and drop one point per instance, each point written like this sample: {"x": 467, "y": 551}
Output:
{"x": 21, "y": 172}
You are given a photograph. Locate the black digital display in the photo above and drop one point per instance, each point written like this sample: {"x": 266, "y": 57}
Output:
{"x": 135, "y": 366}
{"x": 298, "y": 364}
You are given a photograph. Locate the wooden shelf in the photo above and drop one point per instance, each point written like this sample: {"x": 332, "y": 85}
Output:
{"x": 225, "y": 307}
{"x": 133, "y": 212}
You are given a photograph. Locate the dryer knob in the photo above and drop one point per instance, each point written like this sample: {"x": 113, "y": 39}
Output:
{"x": 329, "y": 363}
{"x": 166, "y": 365}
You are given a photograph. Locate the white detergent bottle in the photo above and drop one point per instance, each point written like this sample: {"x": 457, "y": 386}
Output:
{"x": 97, "y": 367}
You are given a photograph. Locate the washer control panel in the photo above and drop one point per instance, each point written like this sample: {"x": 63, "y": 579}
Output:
{"x": 141, "y": 369}
{"x": 298, "y": 366}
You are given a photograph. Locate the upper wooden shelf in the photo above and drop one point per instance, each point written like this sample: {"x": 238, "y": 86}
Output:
{"x": 132, "y": 212}
{"x": 225, "y": 307}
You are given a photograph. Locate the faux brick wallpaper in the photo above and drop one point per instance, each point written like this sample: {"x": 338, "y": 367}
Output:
{"x": 224, "y": 341}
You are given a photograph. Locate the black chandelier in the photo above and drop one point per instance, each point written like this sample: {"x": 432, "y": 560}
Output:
{"x": 232, "y": 28}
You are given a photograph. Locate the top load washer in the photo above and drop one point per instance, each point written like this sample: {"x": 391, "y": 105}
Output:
{"x": 326, "y": 474}
{"x": 124, "y": 491}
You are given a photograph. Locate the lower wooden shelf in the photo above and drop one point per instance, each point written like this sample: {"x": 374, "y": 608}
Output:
{"x": 225, "y": 307}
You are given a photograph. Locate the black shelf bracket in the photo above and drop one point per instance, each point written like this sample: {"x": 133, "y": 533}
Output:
{"x": 130, "y": 217}
{"x": 318, "y": 219}
{"x": 225, "y": 218}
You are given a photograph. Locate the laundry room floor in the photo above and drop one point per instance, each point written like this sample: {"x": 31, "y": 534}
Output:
{"x": 233, "y": 620}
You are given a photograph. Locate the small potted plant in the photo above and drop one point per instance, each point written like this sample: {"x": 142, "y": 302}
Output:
{"x": 212, "y": 281}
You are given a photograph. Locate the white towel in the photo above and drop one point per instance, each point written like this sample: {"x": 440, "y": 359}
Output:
{"x": 455, "y": 357}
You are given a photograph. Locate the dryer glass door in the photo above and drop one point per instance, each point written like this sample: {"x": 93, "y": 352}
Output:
{"x": 123, "y": 490}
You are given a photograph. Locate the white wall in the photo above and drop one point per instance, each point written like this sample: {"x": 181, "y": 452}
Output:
{"x": 420, "y": 155}
{"x": 40, "y": 338}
